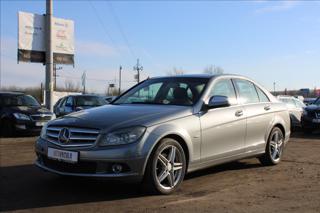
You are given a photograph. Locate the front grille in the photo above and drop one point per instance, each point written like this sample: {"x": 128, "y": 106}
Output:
{"x": 85, "y": 167}
{"x": 41, "y": 117}
{"x": 77, "y": 137}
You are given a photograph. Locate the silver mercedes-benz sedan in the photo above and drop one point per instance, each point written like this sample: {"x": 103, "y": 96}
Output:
{"x": 165, "y": 127}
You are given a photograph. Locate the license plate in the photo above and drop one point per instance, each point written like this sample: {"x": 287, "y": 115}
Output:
{"x": 316, "y": 120}
{"x": 40, "y": 123}
{"x": 63, "y": 155}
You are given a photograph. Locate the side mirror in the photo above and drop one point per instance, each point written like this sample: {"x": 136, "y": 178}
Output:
{"x": 217, "y": 101}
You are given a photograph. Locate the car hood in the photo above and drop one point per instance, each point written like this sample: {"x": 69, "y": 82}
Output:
{"x": 119, "y": 116}
{"x": 30, "y": 110}
{"x": 313, "y": 107}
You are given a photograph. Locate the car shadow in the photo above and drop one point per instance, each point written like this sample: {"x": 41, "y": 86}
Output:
{"x": 236, "y": 165}
{"x": 302, "y": 135}
{"x": 25, "y": 186}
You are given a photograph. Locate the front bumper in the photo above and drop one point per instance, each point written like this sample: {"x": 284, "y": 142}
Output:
{"x": 94, "y": 162}
{"x": 28, "y": 126}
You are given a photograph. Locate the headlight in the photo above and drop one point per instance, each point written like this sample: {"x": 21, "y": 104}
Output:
{"x": 122, "y": 136}
{"x": 43, "y": 133}
{"x": 21, "y": 116}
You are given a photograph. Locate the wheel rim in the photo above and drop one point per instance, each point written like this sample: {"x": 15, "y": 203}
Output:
{"x": 169, "y": 167}
{"x": 276, "y": 146}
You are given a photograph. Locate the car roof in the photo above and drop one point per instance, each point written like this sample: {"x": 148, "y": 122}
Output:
{"x": 202, "y": 75}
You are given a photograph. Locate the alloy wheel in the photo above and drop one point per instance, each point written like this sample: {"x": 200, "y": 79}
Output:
{"x": 169, "y": 167}
{"x": 276, "y": 146}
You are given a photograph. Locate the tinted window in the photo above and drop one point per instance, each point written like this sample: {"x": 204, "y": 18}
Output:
{"x": 224, "y": 88}
{"x": 69, "y": 101}
{"x": 247, "y": 91}
{"x": 89, "y": 101}
{"x": 19, "y": 100}
{"x": 262, "y": 96}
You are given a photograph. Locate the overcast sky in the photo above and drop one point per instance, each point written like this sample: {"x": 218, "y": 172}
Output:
{"x": 267, "y": 41}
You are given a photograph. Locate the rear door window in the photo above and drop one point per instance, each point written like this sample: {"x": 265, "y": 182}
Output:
{"x": 247, "y": 91}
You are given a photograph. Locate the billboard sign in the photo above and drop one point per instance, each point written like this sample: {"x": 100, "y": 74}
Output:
{"x": 31, "y": 39}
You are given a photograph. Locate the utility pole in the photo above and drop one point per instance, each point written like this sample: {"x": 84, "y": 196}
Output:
{"x": 138, "y": 68}
{"x": 120, "y": 69}
{"x": 55, "y": 75}
{"x": 49, "y": 55}
{"x": 274, "y": 88}
{"x": 84, "y": 78}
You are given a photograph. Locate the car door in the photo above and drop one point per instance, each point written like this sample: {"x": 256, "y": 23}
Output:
{"x": 259, "y": 112}
{"x": 223, "y": 129}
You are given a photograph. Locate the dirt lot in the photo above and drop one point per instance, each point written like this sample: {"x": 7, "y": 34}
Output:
{"x": 244, "y": 186}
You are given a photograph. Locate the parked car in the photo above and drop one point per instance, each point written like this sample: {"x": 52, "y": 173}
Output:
{"x": 21, "y": 113}
{"x": 295, "y": 107}
{"x": 163, "y": 128}
{"x": 311, "y": 117}
{"x": 308, "y": 101}
{"x": 73, "y": 103}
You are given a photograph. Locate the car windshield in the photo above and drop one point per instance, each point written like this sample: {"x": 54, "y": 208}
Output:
{"x": 90, "y": 101}
{"x": 165, "y": 91}
{"x": 19, "y": 100}
{"x": 317, "y": 102}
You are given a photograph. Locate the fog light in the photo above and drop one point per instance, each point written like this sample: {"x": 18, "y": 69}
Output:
{"x": 21, "y": 126}
{"x": 116, "y": 168}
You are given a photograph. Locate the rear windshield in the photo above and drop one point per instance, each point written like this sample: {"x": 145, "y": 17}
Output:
{"x": 18, "y": 100}
{"x": 90, "y": 101}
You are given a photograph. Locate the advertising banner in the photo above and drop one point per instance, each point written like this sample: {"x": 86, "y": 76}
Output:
{"x": 31, "y": 39}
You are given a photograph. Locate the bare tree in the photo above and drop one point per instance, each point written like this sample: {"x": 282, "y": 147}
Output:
{"x": 70, "y": 86}
{"x": 214, "y": 70}
{"x": 176, "y": 71}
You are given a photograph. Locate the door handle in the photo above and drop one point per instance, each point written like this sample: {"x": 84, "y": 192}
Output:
{"x": 239, "y": 113}
{"x": 267, "y": 108}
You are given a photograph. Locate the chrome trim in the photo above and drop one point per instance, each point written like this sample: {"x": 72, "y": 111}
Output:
{"x": 79, "y": 137}
{"x": 38, "y": 164}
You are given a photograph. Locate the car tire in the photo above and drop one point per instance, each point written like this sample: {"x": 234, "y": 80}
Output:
{"x": 166, "y": 168}
{"x": 274, "y": 148}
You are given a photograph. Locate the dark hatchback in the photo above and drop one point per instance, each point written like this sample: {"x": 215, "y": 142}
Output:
{"x": 20, "y": 113}
{"x": 73, "y": 103}
{"x": 311, "y": 117}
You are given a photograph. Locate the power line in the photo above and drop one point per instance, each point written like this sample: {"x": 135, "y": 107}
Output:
{"x": 102, "y": 24}
{"x": 118, "y": 23}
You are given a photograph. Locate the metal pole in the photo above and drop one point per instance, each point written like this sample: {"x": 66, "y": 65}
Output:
{"x": 55, "y": 77}
{"x": 120, "y": 69}
{"x": 49, "y": 55}
{"x": 274, "y": 88}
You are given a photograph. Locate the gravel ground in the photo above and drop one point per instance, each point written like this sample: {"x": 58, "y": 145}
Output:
{"x": 243, "y": 186}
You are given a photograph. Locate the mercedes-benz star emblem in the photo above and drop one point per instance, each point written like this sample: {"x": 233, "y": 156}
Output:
{"x": 64, "y": 135}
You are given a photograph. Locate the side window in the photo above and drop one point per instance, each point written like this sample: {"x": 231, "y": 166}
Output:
{"x": 224, "y": 88}
{"x": 247, "y": 91}
{"x": 262, "y": 96}
{"x": 69, "y": 102}
{"x": 62, "y": 102}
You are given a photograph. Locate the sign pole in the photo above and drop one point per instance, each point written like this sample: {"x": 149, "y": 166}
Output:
{"x": 49, "y": 55}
